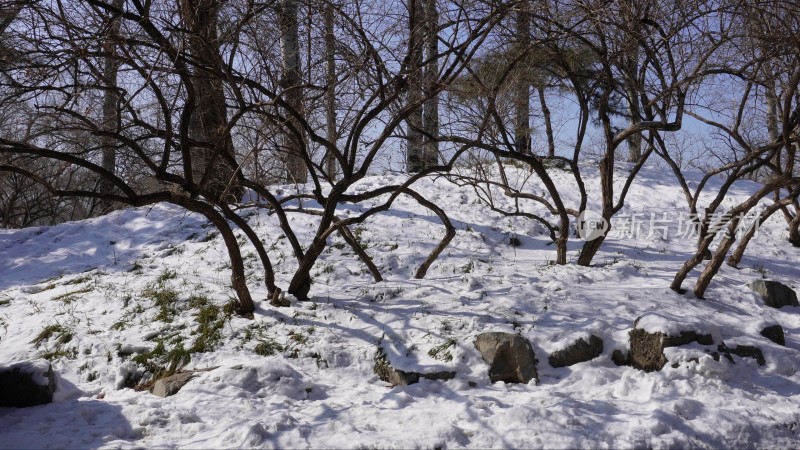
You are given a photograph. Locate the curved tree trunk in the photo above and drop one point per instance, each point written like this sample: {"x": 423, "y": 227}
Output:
{"x": 589, "y": 250}
{"x": 269, "y": 272}
{"x": 736, "y": 256}
{"x": 238, "y": 280}
{"x": 713, "y": 266}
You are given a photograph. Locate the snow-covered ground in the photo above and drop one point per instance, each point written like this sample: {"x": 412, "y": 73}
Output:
{"x": 99, "y": 296}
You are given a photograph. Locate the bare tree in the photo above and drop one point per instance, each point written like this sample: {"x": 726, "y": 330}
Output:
{"x": 769, "y": 152}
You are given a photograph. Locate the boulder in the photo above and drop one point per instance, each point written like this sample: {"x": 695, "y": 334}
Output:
{"x": 775, "y": 295}
{"x": 647, "y": 349}
{"x": 775, "y": 334}
{"x": 383, "y": 368}
{"x": 170, "y": 385}
{"x": 27, "y": 383}
{"x": 510, "y": 357}
{"x": 579, "y": 351}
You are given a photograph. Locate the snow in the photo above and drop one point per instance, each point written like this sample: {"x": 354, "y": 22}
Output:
{"x": 318, "y": 389}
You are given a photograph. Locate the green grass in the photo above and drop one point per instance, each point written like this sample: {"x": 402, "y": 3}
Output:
{"x": 79, "y": 280}
{"x": 70, "y": 296}
{"x": 166, "y": 275}
{"x": 160, "y": 361}
{"x": 164, "y": 298}
{"x": 267, "y": 347}
{"x": 210, "y": 321}
{"x": 63, "y": 335}
{"x": 442, "y": 351}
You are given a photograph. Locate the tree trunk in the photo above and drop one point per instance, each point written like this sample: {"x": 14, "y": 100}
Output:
{"x": 430, "y": 146}
{"x": 634, "y": 111}
{"x": 238, "y": 280}
{"x": 266, "y": 264}
{"x": 688, "y": 266}
{"x": 213, "y": 166}
{"x": 330, "y": 91}
{"x": 111, "y": 117}
{"x": 589, "y": 249}
{"x": 794, "y": 230}
{"x": 548, "y": 124}
{"x": 562, "y": 239}
{"x": 414, "y": 157}
{"x": 522, "y": 96}
{"x": 291, "y": 83}
{"x": 736, "y": 256}
{"x": 713, "y": 266}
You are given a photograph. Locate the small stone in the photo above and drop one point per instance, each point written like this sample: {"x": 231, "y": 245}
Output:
{"x": 579, "y": 351}
{"x": 619, "y": 358}
{"x": 687, "y": 337}
{"x": 172, "y": 384}
{"x": 743, "y": 351}
{"x": 383, "y": 368}
{"x": 775, "y": 334}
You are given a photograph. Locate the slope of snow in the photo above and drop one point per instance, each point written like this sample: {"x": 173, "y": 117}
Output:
{"x": 95, "y": 284}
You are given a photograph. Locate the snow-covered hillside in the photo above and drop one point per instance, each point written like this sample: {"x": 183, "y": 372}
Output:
{"x": 105, "y": 298}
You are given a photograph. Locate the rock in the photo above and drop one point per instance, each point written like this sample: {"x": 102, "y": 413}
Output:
{"x": 170, "y": 385}
{"x": 647, "y": 349}
{"x": 775, "y": 334}
{"x": 775, "y": 295}
{"x": 28, "y": 383}
{"x": 743, "y": 351}
{"x": 687, "y": 337}
{"x": 619, "y": 358}
{"x": 579, "y": 351}
{"x": 383, "y": 368}
{"x": 510, "y": 357}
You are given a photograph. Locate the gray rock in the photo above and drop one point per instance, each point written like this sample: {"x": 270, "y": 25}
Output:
{"x": 775, "y": 334}
{"x": 27, "y": 383}
{"x": 510, "y": 357}
{"x": 775, "y": 295}
{"x": 579, "y": 351}
{"x": 647, "y": 349}
{"x": 170, "y": 385}
{"x": 742, "y": 351}
{"x": 619, "y": 358}
{"x": 383, "y": 368}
